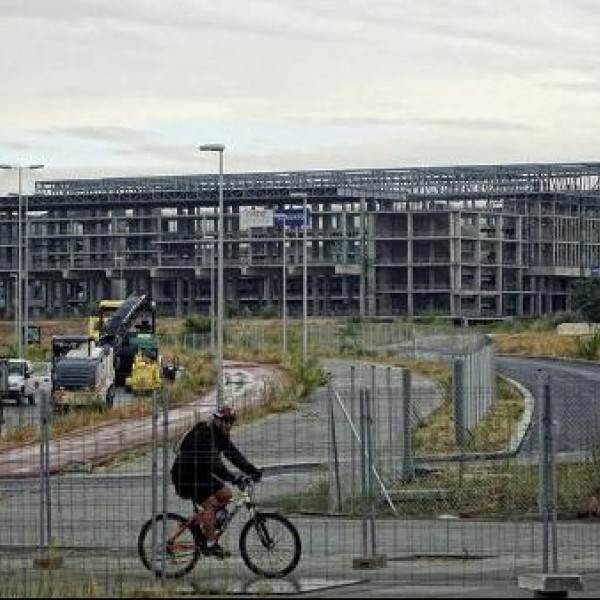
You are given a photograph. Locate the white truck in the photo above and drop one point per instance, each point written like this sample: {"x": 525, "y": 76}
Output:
{"x": 19, "y": 385}
{"x": 83, "y": 373}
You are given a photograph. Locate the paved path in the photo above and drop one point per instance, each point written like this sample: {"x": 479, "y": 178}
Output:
{"x": 243, "y": 382}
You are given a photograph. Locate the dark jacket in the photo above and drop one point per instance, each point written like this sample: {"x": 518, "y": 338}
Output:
{"x": 199, "y": 459}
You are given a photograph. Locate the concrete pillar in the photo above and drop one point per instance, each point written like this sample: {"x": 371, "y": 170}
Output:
{"x": 63, "y": 296}
{"x": 267, "y": 292}
{"x": 191, "y": 305}
{"x": 179, "y": 297}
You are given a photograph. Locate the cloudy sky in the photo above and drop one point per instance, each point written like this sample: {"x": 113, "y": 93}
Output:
{"x": 97, "y": 88}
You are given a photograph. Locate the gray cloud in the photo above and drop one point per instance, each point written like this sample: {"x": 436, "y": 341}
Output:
{"x": 481, "y": 124}
{"x": 100, "y": 134}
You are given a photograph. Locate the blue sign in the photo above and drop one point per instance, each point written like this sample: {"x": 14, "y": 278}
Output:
{"x": 292, "y": 218}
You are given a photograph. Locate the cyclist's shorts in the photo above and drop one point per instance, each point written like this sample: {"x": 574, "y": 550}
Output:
{"x": 198, "y": 492}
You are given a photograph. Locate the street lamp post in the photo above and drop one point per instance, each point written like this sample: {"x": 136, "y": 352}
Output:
{"x": 220, "y": 148}
{"x": 303, "y": 195}
{"x": 22, "y": 299}
{"x": 305, "y": 286}
{"x": 212, "y": 295}
{"x": 15, "y": 292}
{"x": 284, "y": 291}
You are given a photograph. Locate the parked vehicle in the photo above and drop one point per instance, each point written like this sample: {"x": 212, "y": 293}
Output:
{"x": 146, "y": 368}
{"x": 106, "y": 308}
{"x": 19, "y": 387}
{"x": 41, "y": 378}
{"x": 83, "y": 373}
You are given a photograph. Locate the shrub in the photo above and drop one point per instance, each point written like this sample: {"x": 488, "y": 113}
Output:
{"x": 588, "y": 347}
{"x": 197, "y": 324}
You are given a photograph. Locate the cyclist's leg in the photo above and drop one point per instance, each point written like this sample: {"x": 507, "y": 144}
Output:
{"x": 220, "y": 498}
{"x": 185, "y": 492}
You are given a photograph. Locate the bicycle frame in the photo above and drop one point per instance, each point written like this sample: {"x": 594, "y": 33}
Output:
{"x": 244, "y": 499}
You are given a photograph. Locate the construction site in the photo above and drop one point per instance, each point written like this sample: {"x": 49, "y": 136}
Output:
{"x": 467, "y": 242}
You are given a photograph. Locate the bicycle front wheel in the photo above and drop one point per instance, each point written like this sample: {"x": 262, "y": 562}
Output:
{"x": 270, "y": 545}
{"x": 167, "y": 560}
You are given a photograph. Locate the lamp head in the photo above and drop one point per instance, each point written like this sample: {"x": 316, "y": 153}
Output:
{"x": 211, "y": 148}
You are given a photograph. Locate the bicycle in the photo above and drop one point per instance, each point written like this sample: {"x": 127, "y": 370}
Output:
{"x": 268, "y": 533}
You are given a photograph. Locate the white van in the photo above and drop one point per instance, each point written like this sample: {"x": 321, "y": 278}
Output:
{"x": 19, "y": 386}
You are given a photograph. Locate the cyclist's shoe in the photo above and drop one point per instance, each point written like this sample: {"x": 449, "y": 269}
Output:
{"x": 216, "y": 551}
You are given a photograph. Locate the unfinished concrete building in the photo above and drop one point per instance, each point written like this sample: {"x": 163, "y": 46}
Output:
{"x": 466, "y": 241}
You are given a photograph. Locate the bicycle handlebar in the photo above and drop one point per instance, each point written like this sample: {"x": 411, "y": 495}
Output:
{"x": 245, "y": 481}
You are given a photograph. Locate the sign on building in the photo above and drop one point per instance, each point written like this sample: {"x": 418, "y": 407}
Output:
{"x": 255, "y": 217}
{"x": 292, "y": 218}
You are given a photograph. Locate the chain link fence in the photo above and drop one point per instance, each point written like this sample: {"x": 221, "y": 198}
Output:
{"x": 373, "y": 469}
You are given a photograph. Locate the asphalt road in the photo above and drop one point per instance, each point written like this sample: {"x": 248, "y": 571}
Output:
{"x": 575, "y": 394}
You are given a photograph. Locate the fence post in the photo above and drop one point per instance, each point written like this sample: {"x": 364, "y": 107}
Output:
{"x": 370, "y": 425}
{"x": 391, "y": 419}
{"x": 154, "y": 476}
{"x": 353, "y": 441}
{"x": 407, "y": 470}
{"x": 44, "y": 560}
{"x": 364, "y": 469}
{"x": 374, "y": 414}
{"x": 367, "y": 560}
{"x": 334, "y": 495}
{"x": 165, "y": 474}
{"x": 547, "y": 476}
{"x": 460, "y": 428}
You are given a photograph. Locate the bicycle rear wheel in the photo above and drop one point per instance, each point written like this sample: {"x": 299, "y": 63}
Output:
{"x": 270, "y": 545}
{"x": 169, "y": 561}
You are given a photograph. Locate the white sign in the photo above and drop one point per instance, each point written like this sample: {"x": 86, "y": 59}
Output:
{"x": 348, "y": 269}
{"x": 255, "y": 217}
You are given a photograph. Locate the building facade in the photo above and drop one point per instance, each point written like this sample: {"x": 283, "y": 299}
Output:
{"x": 466, "y": 241}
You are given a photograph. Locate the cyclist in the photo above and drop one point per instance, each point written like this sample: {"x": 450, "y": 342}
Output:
{"x": 198, "y": 472}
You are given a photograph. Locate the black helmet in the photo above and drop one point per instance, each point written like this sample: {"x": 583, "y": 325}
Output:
{"x": 227, "y": 413}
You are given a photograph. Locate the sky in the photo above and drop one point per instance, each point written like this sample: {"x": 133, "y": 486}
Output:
{"x": 97, "y": 88}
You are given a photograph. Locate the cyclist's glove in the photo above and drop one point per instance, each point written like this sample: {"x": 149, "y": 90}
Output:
{"x": 257, "y": 475}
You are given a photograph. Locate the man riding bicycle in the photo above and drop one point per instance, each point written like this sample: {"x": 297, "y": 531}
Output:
{"x": 199, "y": 474}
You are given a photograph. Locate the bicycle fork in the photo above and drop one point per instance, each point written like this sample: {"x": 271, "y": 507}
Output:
{"x": 262, "y": 531}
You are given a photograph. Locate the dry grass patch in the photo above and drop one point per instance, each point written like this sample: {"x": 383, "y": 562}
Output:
{"x": 436, "y": 434}
{"x": 536, "y": 343}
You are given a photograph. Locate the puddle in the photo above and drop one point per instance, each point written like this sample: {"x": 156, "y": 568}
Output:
{"x": 264, "y": 587}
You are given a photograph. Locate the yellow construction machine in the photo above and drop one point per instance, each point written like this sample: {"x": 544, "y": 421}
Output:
{"x": 105, "y": 310}
{"x": 146, "y": 369}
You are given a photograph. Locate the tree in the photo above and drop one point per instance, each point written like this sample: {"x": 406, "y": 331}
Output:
{"x": 586, "y": 299}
